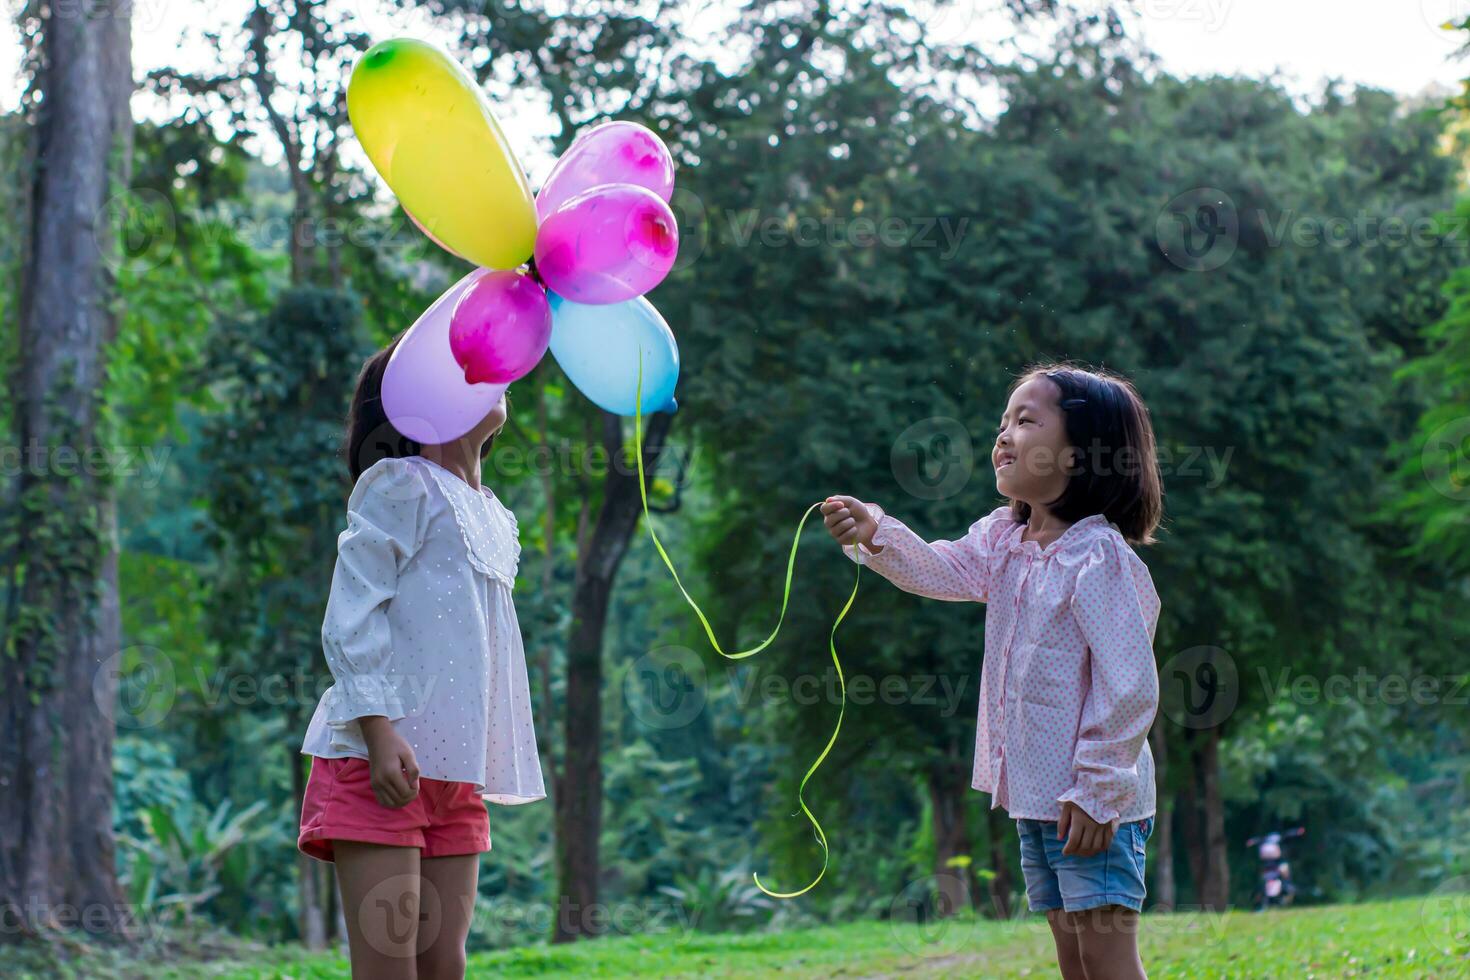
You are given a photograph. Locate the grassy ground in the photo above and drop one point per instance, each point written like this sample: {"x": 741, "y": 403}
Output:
{"x": 1427, "y": 938}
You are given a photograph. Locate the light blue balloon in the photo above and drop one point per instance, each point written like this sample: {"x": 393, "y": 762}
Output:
{"x": 598, "y": 346}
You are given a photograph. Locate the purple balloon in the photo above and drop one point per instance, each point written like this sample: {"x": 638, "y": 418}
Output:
{"x": 611, "y": 153}
{"x": 425, "y": 394}
{"x": 500, "y": 327}
{"x": 607, "y": 245}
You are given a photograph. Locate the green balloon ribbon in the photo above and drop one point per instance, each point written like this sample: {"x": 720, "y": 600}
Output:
{"x": 741, "y": 654}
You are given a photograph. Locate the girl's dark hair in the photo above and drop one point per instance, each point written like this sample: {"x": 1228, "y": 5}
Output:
{"x": 370, "y": 436}
{"x": 1116, "y": 470}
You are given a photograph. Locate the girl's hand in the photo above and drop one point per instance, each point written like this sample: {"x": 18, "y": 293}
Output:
{"x": 395, "y": 771}
{"x": 849, "y": 521}
{"x": 1084, "y": 835}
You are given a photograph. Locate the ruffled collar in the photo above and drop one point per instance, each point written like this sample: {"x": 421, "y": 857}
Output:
{"x": 1075, "y": 534}
{"x": 489, "y": 528}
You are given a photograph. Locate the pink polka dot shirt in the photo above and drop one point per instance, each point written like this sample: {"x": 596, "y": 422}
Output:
{"x": 1068, "y": 687}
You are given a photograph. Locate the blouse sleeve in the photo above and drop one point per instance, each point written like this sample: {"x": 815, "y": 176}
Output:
{"x": 956, "y": 571}
{"x": 386, "y": 520}
{"x": 1117, "y": 610}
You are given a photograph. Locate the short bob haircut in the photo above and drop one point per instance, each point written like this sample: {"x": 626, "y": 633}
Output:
{"x": 370, "y": 436}
{"x": 1116, "y": 470}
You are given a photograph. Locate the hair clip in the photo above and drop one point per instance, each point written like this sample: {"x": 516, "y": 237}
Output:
{"x": 1073, "y": 402}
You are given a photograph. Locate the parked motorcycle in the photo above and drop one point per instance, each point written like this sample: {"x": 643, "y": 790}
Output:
{"x": 1276, "y": 886}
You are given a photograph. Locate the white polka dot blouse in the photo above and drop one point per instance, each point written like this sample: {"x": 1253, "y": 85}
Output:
{"x": 420, "y": 628}
{"x": 1068, "y": 686}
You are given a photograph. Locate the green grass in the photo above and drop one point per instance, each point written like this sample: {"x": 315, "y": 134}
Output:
{"x": 1416, "y": 937}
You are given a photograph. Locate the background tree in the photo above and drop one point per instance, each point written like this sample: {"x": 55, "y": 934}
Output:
{"x": 59, "y": 534}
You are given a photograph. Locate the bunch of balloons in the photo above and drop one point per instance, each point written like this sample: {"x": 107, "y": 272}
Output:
{"x": 565, "y": 271}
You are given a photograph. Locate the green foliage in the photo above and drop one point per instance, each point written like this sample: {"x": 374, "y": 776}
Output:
{"x": 185, "y": 857}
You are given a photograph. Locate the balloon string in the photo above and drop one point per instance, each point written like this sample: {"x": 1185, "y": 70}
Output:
{"x": 740, "y": 654}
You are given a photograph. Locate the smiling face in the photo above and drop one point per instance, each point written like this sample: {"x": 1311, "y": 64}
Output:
{"x": 1031, "y": 455}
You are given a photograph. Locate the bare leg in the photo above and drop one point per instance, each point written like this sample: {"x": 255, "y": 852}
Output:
{"x": 380, "y": 901}
{"x": 448, "y": 888}
{"x": 1108, "y": 940}
{"x": 1069, "y": 953}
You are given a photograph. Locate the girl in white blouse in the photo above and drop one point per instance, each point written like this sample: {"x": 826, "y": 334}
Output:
{"x": 430, "y": 712}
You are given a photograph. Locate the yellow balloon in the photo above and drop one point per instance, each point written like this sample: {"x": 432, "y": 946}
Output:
{"x": 429, "y": 130}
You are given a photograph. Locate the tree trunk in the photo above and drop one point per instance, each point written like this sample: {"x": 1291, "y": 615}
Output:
{"x": 955, "y": 879}
{"x": 1002, "y": 884}
{"x": 310, "y": 894}
{"x": 578, "y": 789}
{"x": 1216, "y": 894}
{"x": 1162, "y": 859}
{"x": 1204, "y": 822}
{"x": 58, "y": 682}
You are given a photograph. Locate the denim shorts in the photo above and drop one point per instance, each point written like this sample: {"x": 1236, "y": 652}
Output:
{"x": 1073, "y": 883}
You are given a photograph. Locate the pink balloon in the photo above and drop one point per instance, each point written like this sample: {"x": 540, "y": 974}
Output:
{"x": 611, "y": 153}
{"x": 500, "y": 327}
{"x": 425, "y": 394}
{"x": 607, "y": 245}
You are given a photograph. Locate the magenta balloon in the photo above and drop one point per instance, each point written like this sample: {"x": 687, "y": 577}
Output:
{"x": 607, "y": 245}
{"x": 425, "y": 394}
{"x": 500, "y": 327}
{"x": 611, "y": 153}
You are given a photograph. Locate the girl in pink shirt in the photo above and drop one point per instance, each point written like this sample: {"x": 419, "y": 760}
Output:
{"x": 1069, "y": 687}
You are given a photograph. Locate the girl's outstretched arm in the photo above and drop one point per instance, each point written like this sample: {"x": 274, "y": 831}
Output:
{"x": 1117, "y": 609}
{"x": 955, "y": 571}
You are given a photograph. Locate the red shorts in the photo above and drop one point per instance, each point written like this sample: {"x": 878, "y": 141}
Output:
{"x": 445, "y": 818}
